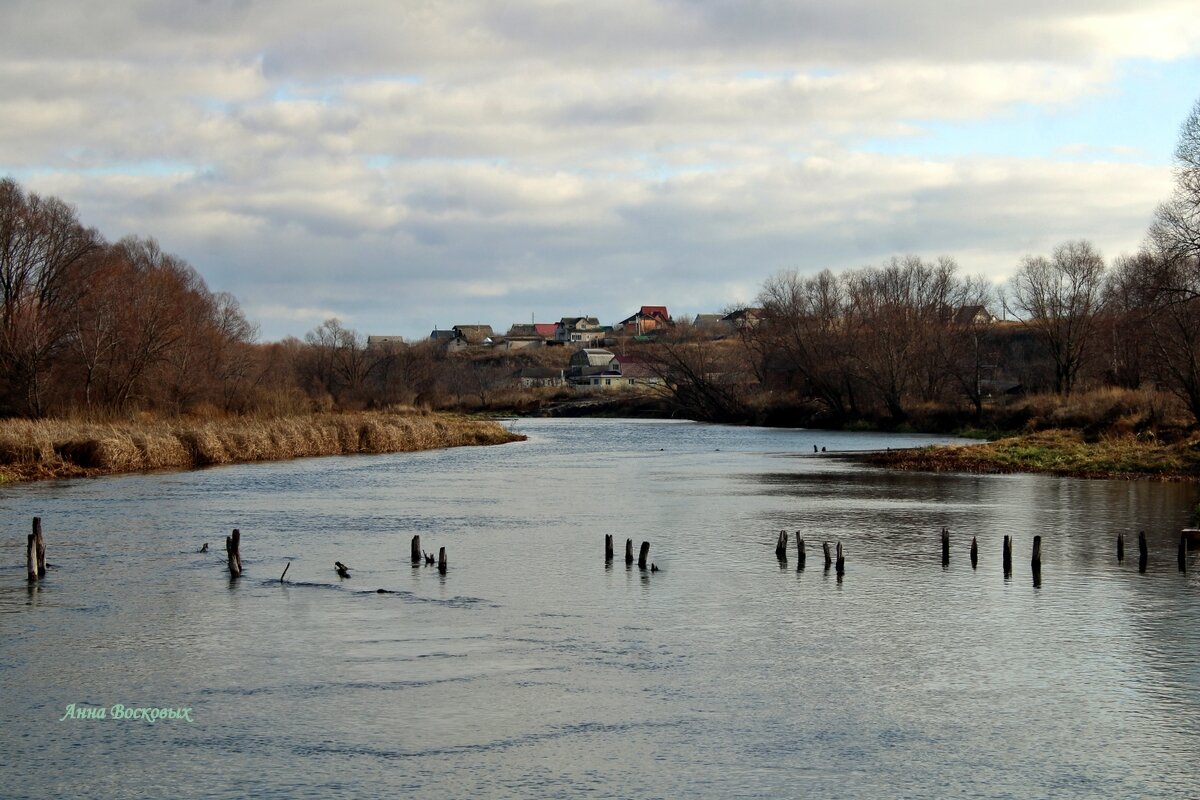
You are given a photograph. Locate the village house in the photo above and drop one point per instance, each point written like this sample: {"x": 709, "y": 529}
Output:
{"x": 592, "y": 361}
{"x": 743, "y": 318}
{"x": 478, "y": 335}
{"x": 523, "y": 335}
{"x": 580, "y": 330}
{"x": 646, "y": 320}
{"x": 974, "y": 315}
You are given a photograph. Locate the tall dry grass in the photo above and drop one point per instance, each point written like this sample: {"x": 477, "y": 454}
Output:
{"x": 33, "y": 449}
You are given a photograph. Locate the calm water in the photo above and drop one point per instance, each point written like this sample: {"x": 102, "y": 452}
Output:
{"x": 532, "y": 670}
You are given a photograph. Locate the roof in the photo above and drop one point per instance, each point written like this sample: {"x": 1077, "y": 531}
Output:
{"x": 658, "y": 313}
{"x": 572, "y": 322}
{"x": 474, "y": 334}
{"x": 378, "y": 340}
{"x": 545, "y": 328}
{"x": 743, "y": 313}
{"x": 595, "y": 357}
{"x": 707, "y": 319}
{"x": 442, "y": 336}
{"x": 968, "y": 315}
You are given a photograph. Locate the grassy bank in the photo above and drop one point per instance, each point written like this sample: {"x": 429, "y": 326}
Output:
{"x": 38, "y": 449}
{"x": 1058, "y": 452}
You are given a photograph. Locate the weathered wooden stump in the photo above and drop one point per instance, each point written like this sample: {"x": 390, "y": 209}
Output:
{"x": 643, "y": 554}
{"x": 342, "y": 570}
{"x": 945, "y": 547}
{"x": 1007, "y": 557}
{"x": 628, "y": 551}
{"x": 1183, "y": 552}
{"x": 442, "y": 560}
{"x": 841, "y": 561}
{"x": 608, "y": 548}
{"x": 31, "y": 559}
{"x": 35, "y": 552}
{"x": 974, "y": 553}
{"x": 1143, "y": 552}
{"x": 233, "y": 545}
{"x": 828, "y": 559}
{"x": 1035, "y": 561}
{"x": 416, "y": 551}
{"x": 41, "y": 547}
{"x": 781, "y": 546}
{"x": 1120, "y": 547}
{"x": 800, "y": 554}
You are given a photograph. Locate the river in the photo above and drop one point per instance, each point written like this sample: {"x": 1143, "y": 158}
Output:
{"x": 532, "y": 669}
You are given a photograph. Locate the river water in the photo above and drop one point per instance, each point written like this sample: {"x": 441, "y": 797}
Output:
{"x": 532, "y": 669}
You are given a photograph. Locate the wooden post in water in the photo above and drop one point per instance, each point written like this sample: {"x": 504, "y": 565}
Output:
{"x": 31, "y": 562}
{"x": 1120, "y": 547}
{"x": 233, "y": 549}
{"x": 41, "y": 547}
{"x": 800, "y": 554}
{"x": 285, "y": 569}
{"x": 828, "y": 560}
{"x": 1035, "y": 561}
{"x": 608, "y": 548}
{"x": 841, "y": 561}
{"x": 781, "y": 546}
{"x": 442, "y": 560}
{"x": 945, "y": 547}
{"x": 628, "y": 551}
{"x": 1143, "y": 553}
{"x": 1183, "y": 552}
{"x": 974, "y": 553}
{"x": 643, "y": 554}
{"x": 1007, "y": 556}
{"x": 416, "y": 551}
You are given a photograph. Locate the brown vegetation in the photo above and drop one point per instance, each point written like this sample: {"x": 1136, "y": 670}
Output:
{"x": 36, "y": 449}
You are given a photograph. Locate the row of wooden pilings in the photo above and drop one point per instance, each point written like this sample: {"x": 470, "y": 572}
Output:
{"x": 781, "y": 545}
{"x": 36, "y": 553}
{"x": 1035, "y": 558}
{"x": 643, "y": 553}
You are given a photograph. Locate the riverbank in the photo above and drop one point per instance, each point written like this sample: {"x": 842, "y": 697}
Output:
{"x": 1064, "y": 453}
{"x": 43, "y": 449}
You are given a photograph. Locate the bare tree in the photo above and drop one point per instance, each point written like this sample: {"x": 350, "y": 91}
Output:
{"x": 1059, "y": 298}
{"x": 43, "y": 251}
{"x": 1176, "y": 228}
{"x": 898, "y": 317}
{"x": 803, "y": 336}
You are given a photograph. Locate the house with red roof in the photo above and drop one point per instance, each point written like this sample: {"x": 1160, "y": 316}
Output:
{"x": 645, "y": 320}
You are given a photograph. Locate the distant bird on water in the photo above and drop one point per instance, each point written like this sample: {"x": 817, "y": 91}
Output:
{"x": 342, "y": 570}
{"x": 205, "y": 548}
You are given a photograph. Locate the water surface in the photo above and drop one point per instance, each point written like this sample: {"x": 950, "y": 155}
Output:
{"x": 531, "y": 669}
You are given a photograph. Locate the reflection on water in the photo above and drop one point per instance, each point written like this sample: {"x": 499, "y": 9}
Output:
{"x": 532, "y": 669}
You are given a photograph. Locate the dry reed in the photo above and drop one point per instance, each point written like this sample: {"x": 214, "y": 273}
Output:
{"x": 36, "y": 449}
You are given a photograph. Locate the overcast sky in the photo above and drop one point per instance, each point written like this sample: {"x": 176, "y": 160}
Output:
{"x": 405, "y": 163}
